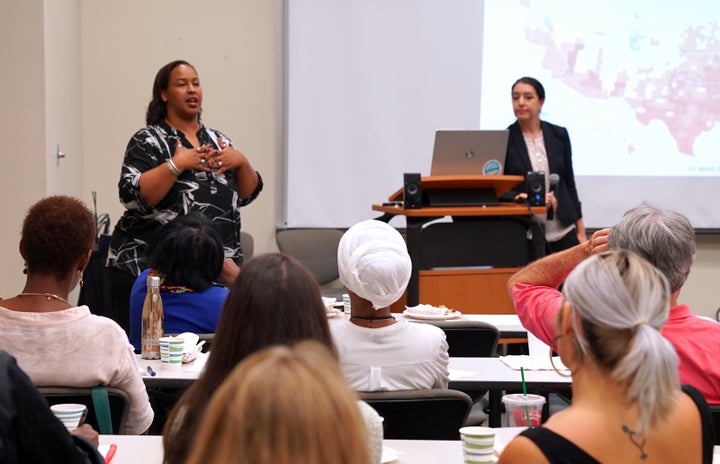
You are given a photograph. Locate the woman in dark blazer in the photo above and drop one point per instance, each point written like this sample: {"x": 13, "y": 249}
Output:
{"x": 536, "y": 145}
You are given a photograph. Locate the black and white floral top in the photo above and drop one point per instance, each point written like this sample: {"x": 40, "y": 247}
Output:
{"x": 203, "y": 192}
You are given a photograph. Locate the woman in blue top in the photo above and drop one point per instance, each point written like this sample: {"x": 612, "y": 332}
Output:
{"x": 188, "y": 256}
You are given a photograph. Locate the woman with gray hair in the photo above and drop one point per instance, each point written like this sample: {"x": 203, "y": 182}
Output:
{"x": 377, "y": 352}
{"x": 627, "y": 402}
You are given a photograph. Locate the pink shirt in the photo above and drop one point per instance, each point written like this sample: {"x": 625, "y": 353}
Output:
{"x": 696, "y": 339}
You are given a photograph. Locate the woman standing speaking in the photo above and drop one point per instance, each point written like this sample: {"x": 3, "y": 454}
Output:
{"x": 174, "y": 166}
{"x": 536, "y": 145}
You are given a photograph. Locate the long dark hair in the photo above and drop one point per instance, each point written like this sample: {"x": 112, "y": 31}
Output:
{"x": 275, "y": 300}
{"x": 157, "y": 108}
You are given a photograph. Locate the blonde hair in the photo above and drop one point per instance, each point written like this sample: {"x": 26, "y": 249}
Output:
{"x": 623, "y": 301}
{"x": 283, "y": 405}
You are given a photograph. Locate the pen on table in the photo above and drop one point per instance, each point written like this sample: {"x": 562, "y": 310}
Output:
{"x": 151, "y": 371}
{"x": 111, "y": 451}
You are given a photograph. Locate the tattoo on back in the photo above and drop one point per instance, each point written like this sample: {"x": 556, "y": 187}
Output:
{"x": 633, "y": 439}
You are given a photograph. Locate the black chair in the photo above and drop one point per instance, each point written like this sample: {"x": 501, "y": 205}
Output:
{"x": 208, "y": 339}
{"x": 715, "y": 416}
{"x": 118, "y": 399}
{"x": 435, "y": 414}
{"x": 470, "y": 339}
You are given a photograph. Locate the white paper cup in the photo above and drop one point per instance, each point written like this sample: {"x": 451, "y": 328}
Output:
{"x": 171, "y": 352}
{"x": 478, "y": 444}
{"x": 70, "y": 414}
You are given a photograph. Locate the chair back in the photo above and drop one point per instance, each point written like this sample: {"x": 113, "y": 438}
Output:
{"x": 118, "y": 399}
{"x": 247, "y": 243}
{"x": 470, "y": 339}
{"x": 208, "y": 339}
{"x": 316, "y": 249}
{"x": 435, "y": 414}
{"x": 715, "y": 416}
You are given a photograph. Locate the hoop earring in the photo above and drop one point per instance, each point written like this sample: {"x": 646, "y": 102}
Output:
{"x": 552, "y": 362}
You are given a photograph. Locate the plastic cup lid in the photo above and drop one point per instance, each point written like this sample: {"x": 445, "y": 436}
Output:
{"x": 518, "y": 399}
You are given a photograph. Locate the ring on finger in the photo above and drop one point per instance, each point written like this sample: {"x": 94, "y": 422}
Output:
{"x": 220, "y": 163}
{"x": 198, "y": 149}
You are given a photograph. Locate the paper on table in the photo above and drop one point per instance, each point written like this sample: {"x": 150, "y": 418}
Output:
{"x": 528, "y": 363}
{"x": 198, "y": 364}
{"x": 456, "y": 374}
{"x": 107, "y": 452}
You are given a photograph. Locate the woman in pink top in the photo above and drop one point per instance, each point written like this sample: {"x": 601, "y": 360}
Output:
{"x": 55, "y": 342}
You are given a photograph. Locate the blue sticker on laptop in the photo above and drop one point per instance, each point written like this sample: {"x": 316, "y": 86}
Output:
{"x": 492, "y": 168}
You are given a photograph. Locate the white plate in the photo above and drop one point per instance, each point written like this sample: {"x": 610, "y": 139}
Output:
{"x": 389, "y": 455}
{"x": 333, "y": 313}
{"x": 432, "y": 317}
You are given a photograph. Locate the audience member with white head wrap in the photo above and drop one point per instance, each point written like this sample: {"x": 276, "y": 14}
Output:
{"x": 376, "y": 351}
{"x": 374, "y": 263}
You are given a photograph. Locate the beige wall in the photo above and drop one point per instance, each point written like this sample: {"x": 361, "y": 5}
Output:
{"x": 22, "y": 128}
{"x": 232, "y": 43}
{"x": 112, "y": 50}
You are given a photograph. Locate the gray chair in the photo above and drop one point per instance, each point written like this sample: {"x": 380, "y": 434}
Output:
{"x": 435, "y": 414}
{"x": 118, "y": 399}
{"x": 316, "y": 249}
{"x": 247, "y": 244}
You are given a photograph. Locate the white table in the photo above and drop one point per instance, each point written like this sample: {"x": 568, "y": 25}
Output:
{"x": 135, "y": 449}
{"x": 473, "y": 374}
{"x": 170, "y": 377}
{"x": 493, "y": 373}
{"x": 508, "y": 325}
{"x": 147, "y": 449}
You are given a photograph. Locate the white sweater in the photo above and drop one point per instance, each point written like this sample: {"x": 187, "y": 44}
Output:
{"x": 74, "y": 348}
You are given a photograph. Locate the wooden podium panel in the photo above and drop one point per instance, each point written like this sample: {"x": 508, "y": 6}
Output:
{"x": 471, "y": 291}
{"x": 456, "y": 281}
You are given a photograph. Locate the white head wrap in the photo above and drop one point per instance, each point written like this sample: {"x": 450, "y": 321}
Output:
{"x": 373, "y": 262}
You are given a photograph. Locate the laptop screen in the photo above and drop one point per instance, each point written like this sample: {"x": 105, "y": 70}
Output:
{"x": 469, "y": 152}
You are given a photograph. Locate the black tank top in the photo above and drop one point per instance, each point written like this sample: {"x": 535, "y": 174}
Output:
{"x": 559, "y": 450}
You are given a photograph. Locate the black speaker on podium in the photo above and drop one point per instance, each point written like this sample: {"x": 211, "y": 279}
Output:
{"x": 535, "y": 182}
{"x": 412, "y": 191}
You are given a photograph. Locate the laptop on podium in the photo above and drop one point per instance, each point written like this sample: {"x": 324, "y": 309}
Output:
{"x": 479, "y": 152}
{"x": 467, "y": 152}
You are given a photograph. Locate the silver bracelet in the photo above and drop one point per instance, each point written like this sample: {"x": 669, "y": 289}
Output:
{"x": 173, "y": 169}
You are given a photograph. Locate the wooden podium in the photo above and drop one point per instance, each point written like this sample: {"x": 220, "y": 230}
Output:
{"x": 464, "y": 264}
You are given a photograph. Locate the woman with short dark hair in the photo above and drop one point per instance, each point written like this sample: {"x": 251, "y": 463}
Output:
{"x": 187, "y": 255}
{"x": 55, "y": 342}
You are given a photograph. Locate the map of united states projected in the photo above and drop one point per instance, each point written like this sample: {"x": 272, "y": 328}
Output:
{"x": 637, "y": 87}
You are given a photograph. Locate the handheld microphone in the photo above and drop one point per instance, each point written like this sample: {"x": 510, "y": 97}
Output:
{"x": 554, "y": 181}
